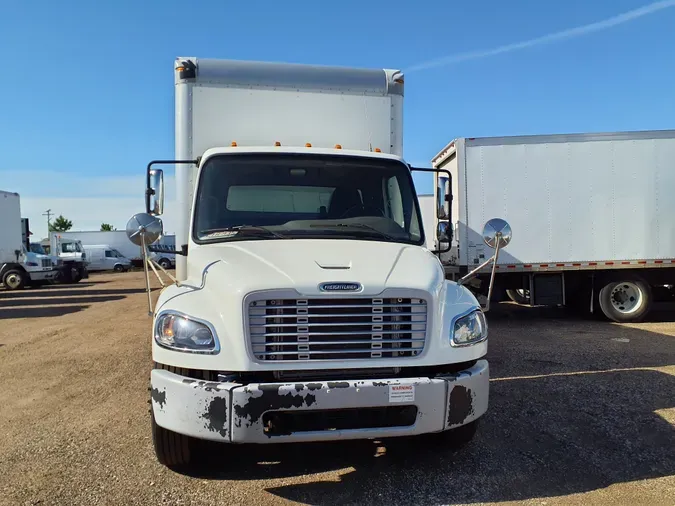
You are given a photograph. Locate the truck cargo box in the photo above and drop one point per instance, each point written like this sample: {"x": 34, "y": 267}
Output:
{"x": 575, "y": 200}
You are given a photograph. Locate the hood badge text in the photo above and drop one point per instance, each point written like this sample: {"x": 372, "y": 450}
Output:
{"x": 337, "y": 286}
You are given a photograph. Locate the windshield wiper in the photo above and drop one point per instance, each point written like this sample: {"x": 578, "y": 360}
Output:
{"x": 361, "y": 226}
{"x": 212, "y": 233}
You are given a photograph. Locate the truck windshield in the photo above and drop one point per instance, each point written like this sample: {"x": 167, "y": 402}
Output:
{"x": 71, "y": 247}
{"x": 254, "y": 197}
{"x": 37, "y": 248}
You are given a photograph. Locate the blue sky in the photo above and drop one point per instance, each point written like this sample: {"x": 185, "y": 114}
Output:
{"x": 88, "y": 86}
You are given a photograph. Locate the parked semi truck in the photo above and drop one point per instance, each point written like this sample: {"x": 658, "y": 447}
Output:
{"x": 19, "y": 266}
{"x": 306, "y": 307}
{"x": 594, "y": 214}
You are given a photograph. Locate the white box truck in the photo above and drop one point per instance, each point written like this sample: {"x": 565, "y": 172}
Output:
{"x": 115, "y": 239}
{"x": 594, "y": 215}
{"x": 306, "y": 307}
{"x": 71, "y": 256}
{"x": 19, "y": 266}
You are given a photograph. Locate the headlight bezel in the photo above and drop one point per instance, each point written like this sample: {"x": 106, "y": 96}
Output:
{"x": 475, "y": 312}
{"x": 192, "y": 319}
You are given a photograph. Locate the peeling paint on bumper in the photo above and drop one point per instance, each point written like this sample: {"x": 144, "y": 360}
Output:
{"x": 231, "y": 412}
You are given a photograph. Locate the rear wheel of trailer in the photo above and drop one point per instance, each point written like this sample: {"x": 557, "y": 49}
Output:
{"x": 626, "y": 299}
{"x": 520, "y": 295}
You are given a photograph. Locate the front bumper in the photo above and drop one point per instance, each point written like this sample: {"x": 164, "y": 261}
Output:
{"x": 286, "y": 412}
{"x": 42, "y": 275}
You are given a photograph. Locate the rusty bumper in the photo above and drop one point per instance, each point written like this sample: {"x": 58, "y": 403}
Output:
{"x": 318, "y": 411}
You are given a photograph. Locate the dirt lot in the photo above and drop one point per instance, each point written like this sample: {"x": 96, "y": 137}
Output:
{"x": 582, "y": 412}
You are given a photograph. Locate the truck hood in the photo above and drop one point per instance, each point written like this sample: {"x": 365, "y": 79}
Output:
{"x": 246, "y": 266}
{"x": 222, "y": 275}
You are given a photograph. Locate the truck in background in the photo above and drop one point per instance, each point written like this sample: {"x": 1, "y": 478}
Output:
{"x": 71, "y": 255}
{"x": 19, "y": 266}
{"x": 594, "y": 214}
{"x": 305, "y": 307}
{"x": 116, "y": 239}
{"x": 163, "y": 251}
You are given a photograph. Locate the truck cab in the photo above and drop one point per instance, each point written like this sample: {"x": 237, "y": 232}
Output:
{"x": 72, "y": 257}
{"x": 39, "y": 266}
{"x": 306, "y": 306}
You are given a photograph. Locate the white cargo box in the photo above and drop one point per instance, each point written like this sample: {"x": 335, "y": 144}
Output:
{"x": 10, "y": 227}
{"x": 573, "y": 201}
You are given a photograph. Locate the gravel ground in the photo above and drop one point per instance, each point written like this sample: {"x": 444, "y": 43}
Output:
{"x": 581, "y": 412}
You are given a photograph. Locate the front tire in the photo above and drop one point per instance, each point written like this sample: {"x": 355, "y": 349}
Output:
{"x": 118, "y": 268}
{"x": 626, "y": 300}
{"x": 174, "y": 450}
{"x": 459, "y": 437}
{"x": 166, "y": 264}
{"x": 14, "y": 279}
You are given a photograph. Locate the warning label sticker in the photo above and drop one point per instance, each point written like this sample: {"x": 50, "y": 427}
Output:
{"x": 401, "y": 393}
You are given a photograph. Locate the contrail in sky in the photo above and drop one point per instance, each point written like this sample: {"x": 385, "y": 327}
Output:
{"x": 564, "y": 34}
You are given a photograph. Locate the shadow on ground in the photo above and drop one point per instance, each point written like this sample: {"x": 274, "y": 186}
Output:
{"x": 572, "y": 409}
{"x": 57, "y": 300}
{"x": 39, "y": 312}
{"x": 48, "y": 293}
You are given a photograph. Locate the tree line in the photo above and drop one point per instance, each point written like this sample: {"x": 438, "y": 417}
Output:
{"x": 63, "y": 224}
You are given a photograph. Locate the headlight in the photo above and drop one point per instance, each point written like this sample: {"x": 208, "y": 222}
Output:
{"x": 182, "y": 333}
{"x": 470, "y": 329}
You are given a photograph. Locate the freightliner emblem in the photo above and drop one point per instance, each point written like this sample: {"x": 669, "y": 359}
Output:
{"x": 340, "y": 287}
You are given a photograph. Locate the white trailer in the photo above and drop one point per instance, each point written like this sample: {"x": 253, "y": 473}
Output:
{"x": 18, "y": 265}
{"x": 594, "y": 214}
{"x": 304, "y": 287}
{"x": 12, "y": 273}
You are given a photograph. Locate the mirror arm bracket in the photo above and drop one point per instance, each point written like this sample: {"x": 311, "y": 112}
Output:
{"x": 493, "y": 259}
{"x": 157, "y": 249}
{"x": 150, "y": 191}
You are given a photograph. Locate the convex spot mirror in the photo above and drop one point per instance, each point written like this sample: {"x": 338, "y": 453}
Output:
{"x": 155, "y": 192}
{"x": 496, "y": 231}
{"x": 143, "y": 227}
{"x": 444, "y": 232}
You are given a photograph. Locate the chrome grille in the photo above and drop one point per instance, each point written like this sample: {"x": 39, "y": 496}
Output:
{"x": 46, "y": 262}
{"x": 335, "y": 329}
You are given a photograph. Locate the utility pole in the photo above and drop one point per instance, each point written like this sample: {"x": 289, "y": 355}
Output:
{"x": 48, "y": 213}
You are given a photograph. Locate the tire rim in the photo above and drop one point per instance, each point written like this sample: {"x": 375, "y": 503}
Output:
{"x": 626, "y": 297}
{"x": 13, "y": 281}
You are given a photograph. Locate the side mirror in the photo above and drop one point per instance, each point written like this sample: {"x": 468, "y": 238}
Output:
{"x": 443, "y": 209}
{"x": 143, "y": 229}
{"x": 497, "y": 233}
{"x": 444, "y": 232}
{"x": 444, "y": 197}
{"x": 154, "y": 193}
